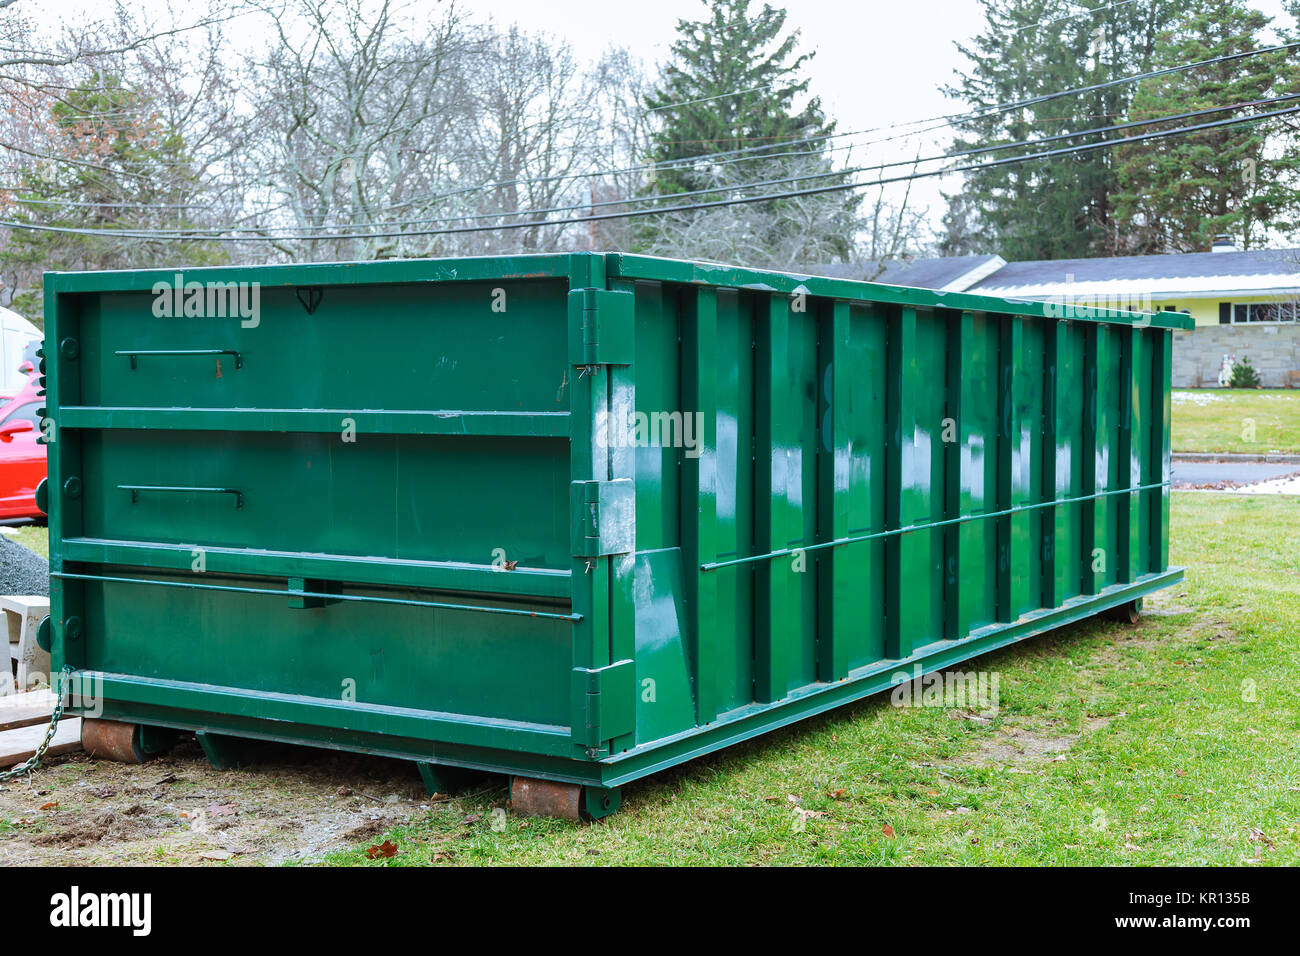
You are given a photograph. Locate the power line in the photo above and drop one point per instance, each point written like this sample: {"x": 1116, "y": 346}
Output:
{"x": 23, "y": 200}
{"x": 1150, "y": 74}
{"x": 708, "y": 99}
{"x": 751, "y": 152}
{"x": 203, "y": 232}
{"x": 1071, "y": 16}
{"x": 713, "y": 204}
{"x": 719, "y": 157}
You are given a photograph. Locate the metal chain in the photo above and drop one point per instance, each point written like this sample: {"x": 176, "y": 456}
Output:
{"x": 34, "y": 761}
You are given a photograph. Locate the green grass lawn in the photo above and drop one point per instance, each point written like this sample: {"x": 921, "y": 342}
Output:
{"x": 1174, "y": 741}
{"x": 1246, "y": 421}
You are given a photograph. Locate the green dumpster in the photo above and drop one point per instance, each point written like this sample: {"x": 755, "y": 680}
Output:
{"x": 573, "y": 518}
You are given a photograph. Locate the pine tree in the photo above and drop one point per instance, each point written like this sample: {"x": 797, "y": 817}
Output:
{"x": 1244, "y": 374}
{"x": 1060, "y": 207}
{"x": 1176, "y": 194}
{"x": 731, "y": 83}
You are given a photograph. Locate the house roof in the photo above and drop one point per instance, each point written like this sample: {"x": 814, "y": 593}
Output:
{"x": 1177, "y": 275}
{"x": 951, "y": 274}
{"x": 1191, "y": 275}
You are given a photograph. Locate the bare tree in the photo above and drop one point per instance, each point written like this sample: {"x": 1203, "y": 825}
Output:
{"x": 622, "y": 85}
{"x": 791, "y": 233}
{"x": 531, "y": 141}
{"x": 356, "y": 104}
{"x": 112, "y": 126}
{"x": 891, "y": 230}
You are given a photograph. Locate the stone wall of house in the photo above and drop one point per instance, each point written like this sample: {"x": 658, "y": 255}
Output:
{"x": 1274, "y": 350}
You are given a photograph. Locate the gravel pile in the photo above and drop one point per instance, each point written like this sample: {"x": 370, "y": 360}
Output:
{"x": 22, "y": 571}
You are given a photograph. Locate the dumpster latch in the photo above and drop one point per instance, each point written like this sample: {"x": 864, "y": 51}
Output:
{"x": 603, "y": 322}
{"x": 603, "y": 517}
{"x": 605, "y": 698}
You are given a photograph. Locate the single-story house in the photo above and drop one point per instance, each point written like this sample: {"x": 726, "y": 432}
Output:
{"x": 1245, "y": 303}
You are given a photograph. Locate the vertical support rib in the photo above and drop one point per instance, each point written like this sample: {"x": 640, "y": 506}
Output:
{"x": 1124, "y": 523}
{"x": 1105, "y": 463}
{"x": 1162, "y": 389}
{"x": 588, "y": 461}
{"x": 63, "y": 388}
{"x": 1009, "y": 342}
{"x": 905, "y": 382}
{"x": 779, "y": 502}
{"x": 1088, "y": 509}
{"x": 621, "y": 463}
{"x": 839, "y": 607}
{"x": 959, "y": 332}
{"x": 699, "y": 476}
{"x": 1053, "y": 344}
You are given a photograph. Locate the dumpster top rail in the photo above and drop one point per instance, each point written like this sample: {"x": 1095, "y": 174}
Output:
{"x": 578, "y": 267}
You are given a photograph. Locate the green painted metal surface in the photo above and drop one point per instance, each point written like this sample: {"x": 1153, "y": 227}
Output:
{"x": 581, "y": 516}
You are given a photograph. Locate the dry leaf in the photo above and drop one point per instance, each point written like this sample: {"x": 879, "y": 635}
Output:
{"x": 1257, "y": 836}
{"x": 888, "y": 831}
{"x": 385, "y": 850}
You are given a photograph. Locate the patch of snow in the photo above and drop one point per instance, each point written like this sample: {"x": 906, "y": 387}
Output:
{"x": 1287, "y": 485}
{"x": 1196, "y": 398}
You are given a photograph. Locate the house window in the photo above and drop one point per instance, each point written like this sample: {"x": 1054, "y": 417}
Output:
{"x": 1250, "y": 312}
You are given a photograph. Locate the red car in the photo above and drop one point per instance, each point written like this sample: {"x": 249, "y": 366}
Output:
{"x": 22, "y": 457}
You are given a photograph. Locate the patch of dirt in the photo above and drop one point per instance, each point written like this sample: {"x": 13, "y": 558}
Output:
{"x": 101, "y": 826}
{"x": 1019, "y": 742}
{"x": 289, "y": 803}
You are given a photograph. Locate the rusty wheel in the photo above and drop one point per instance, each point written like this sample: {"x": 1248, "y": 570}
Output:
{"x": 546, "y": 798}
{"x": 111, "y": 740}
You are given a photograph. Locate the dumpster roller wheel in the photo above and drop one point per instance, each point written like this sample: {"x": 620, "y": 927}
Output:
{"x": 125, "y": 743}
{"x": 1130, "y": 612}
{"x": 565, "y": 801}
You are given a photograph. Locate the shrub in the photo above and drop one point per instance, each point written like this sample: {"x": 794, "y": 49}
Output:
{"x": 1244, "y": 374}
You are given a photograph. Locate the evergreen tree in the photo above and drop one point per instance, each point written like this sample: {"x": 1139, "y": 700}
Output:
{"x": 1176, "y": 194}
{"x": 731, "y": 83}
{"x": 1060, "y": 207}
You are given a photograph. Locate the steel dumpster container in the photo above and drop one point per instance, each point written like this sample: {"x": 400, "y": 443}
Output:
{"x": 575, "y": 518}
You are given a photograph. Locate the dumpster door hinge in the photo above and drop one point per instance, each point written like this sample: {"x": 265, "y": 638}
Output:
{"x": 603, "y": 517}
{"x": 602, "y": 323}
{"x": 605, "y": 701}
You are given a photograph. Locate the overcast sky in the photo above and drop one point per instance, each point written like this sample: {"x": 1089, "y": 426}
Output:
{"x": 878, "y": 62}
